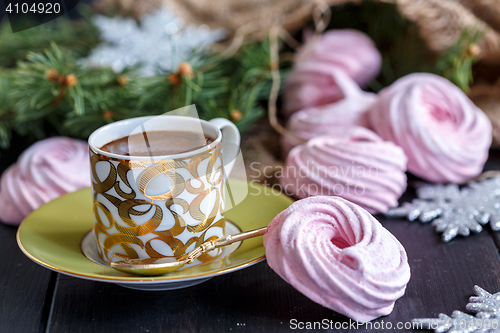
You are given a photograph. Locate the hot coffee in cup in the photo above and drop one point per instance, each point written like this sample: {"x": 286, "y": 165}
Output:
{"x": 158, "y": 143}
{"x": 158, "y": 186}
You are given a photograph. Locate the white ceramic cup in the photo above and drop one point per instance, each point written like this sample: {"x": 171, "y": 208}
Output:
{"x": 160, "y": 206}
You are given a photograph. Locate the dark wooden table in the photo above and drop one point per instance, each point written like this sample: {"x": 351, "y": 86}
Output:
{"x": 34, "y": 299}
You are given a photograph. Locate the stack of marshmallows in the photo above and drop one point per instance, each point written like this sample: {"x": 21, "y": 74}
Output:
{"x": 358, "y": 145}
{"x": 348, "y": 158}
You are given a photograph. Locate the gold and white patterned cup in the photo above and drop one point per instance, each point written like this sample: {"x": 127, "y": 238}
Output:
{"x": 160, "y": 206}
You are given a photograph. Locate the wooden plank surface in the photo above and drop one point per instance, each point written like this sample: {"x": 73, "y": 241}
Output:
{"x": 25, "y": 288}
{"x": 257, "y": 299}
{"x": 493, "y": 164}
{"x": 253, "y": 299}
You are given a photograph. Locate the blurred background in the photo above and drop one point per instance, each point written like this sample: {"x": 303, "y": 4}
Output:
{"x": 114, "y": 59}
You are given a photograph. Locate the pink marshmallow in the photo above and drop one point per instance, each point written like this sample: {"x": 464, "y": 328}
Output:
{"x": 355, "y": 164}
{"x": 338, "y": 255}
{"x": 445, "y": 136}
{"x": 331, "y": 118}
{"x": 310, "y": 83}
{"x": 43, "y": 172}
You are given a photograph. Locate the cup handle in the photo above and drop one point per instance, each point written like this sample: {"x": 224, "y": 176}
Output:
{"x": 230, "y": 142}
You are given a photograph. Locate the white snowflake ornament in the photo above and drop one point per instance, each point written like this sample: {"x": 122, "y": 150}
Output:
{"x": 459, "y": 322}
{"x": 161, "y": 40}
{"x": 487, "y": 309}
{"x": 454, "y": 211}
{"x": 485, "y": 305}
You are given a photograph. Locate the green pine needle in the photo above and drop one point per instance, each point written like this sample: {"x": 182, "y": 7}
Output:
{"x": 39, "y": 97}
{"x": 456, "y": 63}
{"x": 80, "y": 36}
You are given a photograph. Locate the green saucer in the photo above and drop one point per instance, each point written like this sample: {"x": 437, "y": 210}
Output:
{"x": 52, "y": 236}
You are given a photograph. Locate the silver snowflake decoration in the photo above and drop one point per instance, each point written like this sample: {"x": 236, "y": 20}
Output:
{"x": 454, "y": 211}
{"x": 160, "y": 40}
{"x": 459, "y": 322}
{"x": 486, "y": 307}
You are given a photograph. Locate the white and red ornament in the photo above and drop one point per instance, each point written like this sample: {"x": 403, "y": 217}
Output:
{"x": 338, "y": 255}
{"x": 43, "y": 172}
{"x": 445, "y": 136}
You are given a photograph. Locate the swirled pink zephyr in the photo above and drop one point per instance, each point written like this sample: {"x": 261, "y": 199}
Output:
{"x": 338, "y": 255}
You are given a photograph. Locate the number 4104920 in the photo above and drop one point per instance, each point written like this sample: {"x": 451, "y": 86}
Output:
{"x": 39, "y": 8}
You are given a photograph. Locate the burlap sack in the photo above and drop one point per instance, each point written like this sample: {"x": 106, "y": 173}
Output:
{"x": 441, "y": 21}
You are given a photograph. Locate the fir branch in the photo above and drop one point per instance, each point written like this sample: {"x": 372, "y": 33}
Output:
{"x": 80, "y": 36}
{"x": 51, "y": 88}
{"x": 42, "y": 83}
{"x": 456, "y": 63}
{"x": 108, "y": 98}
{"x": 241, "y": 106}
{"x": 170, "y": 90}
{"x": 254, "y": 63}
{"x": 6, "y": 112}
